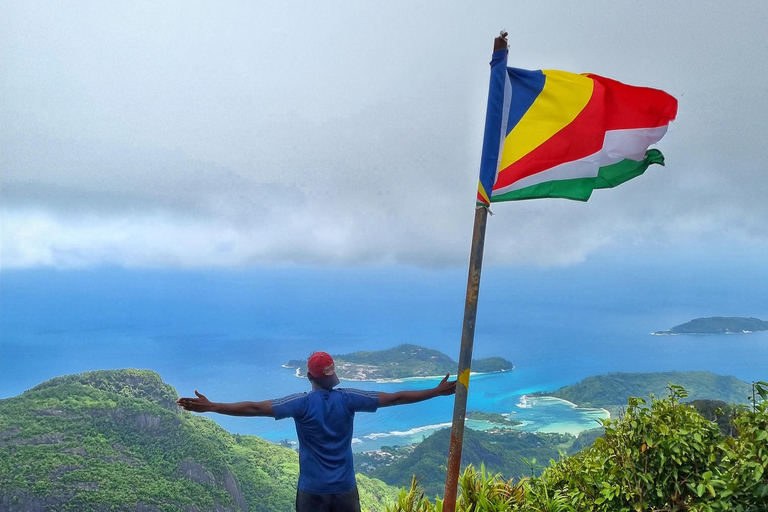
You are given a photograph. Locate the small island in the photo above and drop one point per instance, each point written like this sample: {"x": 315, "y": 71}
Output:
{"x": 401, "y": 362}
{"x": 717, "y": 325}
{"x": 492, "y": 417}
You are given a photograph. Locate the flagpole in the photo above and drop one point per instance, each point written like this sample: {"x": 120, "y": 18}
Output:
{"x": 467, "y": 341}
{"x": 465, "y": 358}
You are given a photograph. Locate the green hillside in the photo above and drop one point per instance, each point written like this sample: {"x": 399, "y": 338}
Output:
{"x": 502, "y": 451}
{"x": 614, "y": 389}
{"x": 115, "y": 440}
{"x": 660, "y": 455}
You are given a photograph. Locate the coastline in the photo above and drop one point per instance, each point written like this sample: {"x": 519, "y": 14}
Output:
{"x": 373, "y": 441}
{"x": 576, "y": 406}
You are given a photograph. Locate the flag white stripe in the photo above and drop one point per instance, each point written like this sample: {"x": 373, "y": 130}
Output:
{"x": 617, "y": 146}
{"x": 504, "y": 120}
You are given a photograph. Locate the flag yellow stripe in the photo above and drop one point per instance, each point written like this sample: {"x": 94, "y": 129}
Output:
{"x": 481, "y": 191}
{"x": 563, "y": 97}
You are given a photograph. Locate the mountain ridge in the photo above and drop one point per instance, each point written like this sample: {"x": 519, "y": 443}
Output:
{"x": 115, "y": 440}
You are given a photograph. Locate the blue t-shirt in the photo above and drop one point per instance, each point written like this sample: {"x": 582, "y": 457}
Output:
{"x": 324, "y": 427}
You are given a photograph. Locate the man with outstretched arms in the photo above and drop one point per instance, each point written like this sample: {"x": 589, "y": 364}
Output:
{"x": 323, "y": 418}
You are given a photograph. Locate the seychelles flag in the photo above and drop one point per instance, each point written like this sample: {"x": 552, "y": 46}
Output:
{"x": 557, "y": 134}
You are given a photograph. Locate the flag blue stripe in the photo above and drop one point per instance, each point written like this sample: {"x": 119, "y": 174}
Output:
{"x": 526, "y": 87}
{"x": 489, "y": 161}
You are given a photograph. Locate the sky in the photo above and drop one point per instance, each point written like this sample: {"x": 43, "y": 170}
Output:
{"x": 196, "y": 134}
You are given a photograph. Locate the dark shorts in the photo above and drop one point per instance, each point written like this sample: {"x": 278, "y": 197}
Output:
{"x": 342, "y": 502}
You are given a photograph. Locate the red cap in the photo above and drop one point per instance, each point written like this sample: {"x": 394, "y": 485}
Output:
{"x": 322, "y": 369}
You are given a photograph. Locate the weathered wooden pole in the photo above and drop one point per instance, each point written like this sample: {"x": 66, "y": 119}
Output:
{"x": 467, "y": 341}
{"x": 465, "y": 359}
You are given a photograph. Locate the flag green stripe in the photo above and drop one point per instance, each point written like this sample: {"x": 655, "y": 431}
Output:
{"x": 579, "y": 189}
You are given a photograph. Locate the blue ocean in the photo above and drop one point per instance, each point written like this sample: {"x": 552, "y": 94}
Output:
{"x": 227, "y": 333}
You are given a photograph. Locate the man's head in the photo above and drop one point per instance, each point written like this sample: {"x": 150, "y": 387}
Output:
{"x": 321, "y": 370}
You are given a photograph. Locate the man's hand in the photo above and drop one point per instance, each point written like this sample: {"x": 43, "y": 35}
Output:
{"x": 446, "y": 388}
{"x": 202, "y": 404}
{"x": 411, "y": 397}
{"x": 199, "y": 404}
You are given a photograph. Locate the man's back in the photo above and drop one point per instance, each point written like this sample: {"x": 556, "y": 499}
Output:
{"x": 324, "y": 420}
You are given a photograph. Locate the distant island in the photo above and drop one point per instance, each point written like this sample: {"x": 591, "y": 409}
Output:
{"x": 401, "y": 362}
{"x": 492, "y": 417}
{"x": 717, "y": 325}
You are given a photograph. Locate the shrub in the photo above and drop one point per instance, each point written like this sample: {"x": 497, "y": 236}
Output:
{"x": 661, "y": 457}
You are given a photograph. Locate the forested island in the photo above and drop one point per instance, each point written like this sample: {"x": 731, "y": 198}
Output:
{"x": 401, "y": 362}
{"x": 492, "y": 417}
{"x": 717, "y": 325}
{"x": 614, "y": 389}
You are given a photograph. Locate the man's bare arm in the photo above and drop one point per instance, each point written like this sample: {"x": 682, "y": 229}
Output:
{"x": 410, "y": 397}
{"x": 202, "y": 404}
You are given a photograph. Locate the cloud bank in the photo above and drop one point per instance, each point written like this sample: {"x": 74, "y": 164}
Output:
{"x": 146, "y": 135}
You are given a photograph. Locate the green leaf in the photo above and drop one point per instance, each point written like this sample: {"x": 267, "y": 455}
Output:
{"x": 762, "y": 389}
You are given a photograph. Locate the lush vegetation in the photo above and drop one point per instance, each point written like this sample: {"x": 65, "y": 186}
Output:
{"x": 492, "y": 417}
{"x": 719, "y": 412}
{"x": 401, "y": 362}
{"x": 615, "y": 388}
{"x": 586, "y": 439}
{"x": 366, "y": 462}
{"x": 719, "y": 325}
{"x": 660, "y": 456}
{"x": 502, "y": 450}
{"x": 115, "y": 440}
